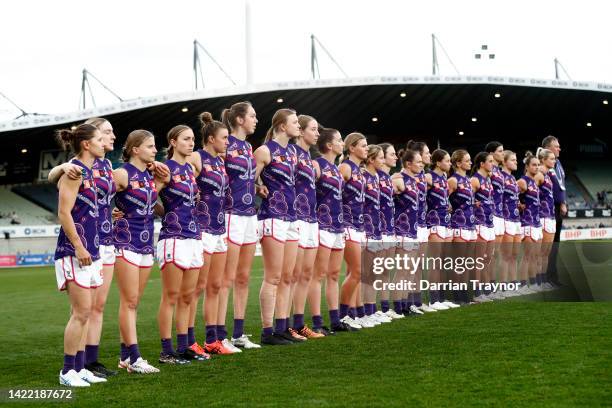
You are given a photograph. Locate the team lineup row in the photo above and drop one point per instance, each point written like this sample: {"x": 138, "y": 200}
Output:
{"x": 313, "y": 215}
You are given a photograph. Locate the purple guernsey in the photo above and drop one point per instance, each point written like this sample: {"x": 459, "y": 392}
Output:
{"x": 305, "y": 190}
{"x": 329, "y": 197}
{"x": 106, "y": 189}
{"x": 85, "y": 216}
{"x": 212, "y": 183}
{"x": 240, "y": 168}
{"x": 352, "y": 198}
{"x": 407, "y": 208}
{"x": 134, "y": 232}
{"x": 179, "y": 200}
{"x": 279, "y": 177}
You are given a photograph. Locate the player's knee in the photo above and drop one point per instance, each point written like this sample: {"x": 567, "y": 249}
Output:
{"x": 213, "y": 288}
{"x": 187, "y": 297}
{"x": 242, "y": 280}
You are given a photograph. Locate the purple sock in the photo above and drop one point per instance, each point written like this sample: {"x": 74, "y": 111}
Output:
{"x": 211, "y": 334}
{"x": 221, "y": 332}
{"x": 441, "y": 296}
{"x": 344, "y": 309}
{"x": 190, "y": 336}
{"x": 238, "y": 328}
{"x": 523, "y": 283}
{"x": 279, "y": 326}
{"x": 408, "y": 303}
{"x": 434, "y": 296}
{"x": 287, "y": 323}
{"x": 334, "y": 318}
{"x": 456, "y": 296}
{"x": 181, "y": 343}
{"x": 384, "y": 305}
{"x": 125, "y": 353}
{"x": 374, "y": 308}
{"x": 369, "y": 309}
{"x": 476, "y": 292}
{"x": 267, "y": 331}
{"x": 79, "y": 360}
{"x": 418, "y": 300}
{"x": 532, "y": 281}
{"x": 465, "y": 296}
{"x": 91, "y": 353}
{"x": 538, "y": 279}
{"x": 68, "y": 363}
{"x": 317, "y": 320}
{"x": 397, "y": 306}
{"x": 167, "y": 346}
{"x": 134, "y": 353}
{"x": 298, "y": 321}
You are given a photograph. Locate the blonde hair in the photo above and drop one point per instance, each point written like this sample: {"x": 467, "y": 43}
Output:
{"x": 373, "y": 151}
{"x": 279, "y": 118}
{"x": 351, "y": 141}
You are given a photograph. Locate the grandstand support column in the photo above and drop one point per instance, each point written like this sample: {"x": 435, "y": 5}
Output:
{"x": 248, "y": 44}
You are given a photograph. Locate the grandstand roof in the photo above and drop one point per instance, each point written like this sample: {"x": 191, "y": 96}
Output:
{"x": 434, "y": 109}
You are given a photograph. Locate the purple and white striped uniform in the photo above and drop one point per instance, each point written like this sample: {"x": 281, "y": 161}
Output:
{"x": 305, "y": 189}
{"x": 353, "y": 197}
{"x": 497, "y": 181}
{"x": 105, "y": 185}
{"x": 407, "y": 208}
{"x": 462, "y": 202}
{"x": 530, "y": 216}
{"x": 511, "y": 198}
{"x": 134, "y": 232}
{"x": 85, "y": 216}
{"x": 179, "y": 199}
{"x": 386, "y": 203}
{"x": 422, "y": 185}
{"x": 279, "y": 178}
{"x": 437, "y": 202}
{"x": 329, "y": 197}
{"x": 212, "y": 183}
{"x": 371, "y": 206}
{"x": 547, "y": 201}
{"x": 240, "y": 168}
{"x": 484, "y": 197}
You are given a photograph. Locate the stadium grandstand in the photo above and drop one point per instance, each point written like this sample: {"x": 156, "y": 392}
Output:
{"x": 447, "y": 111}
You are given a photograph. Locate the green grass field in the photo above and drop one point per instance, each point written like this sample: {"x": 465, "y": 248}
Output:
{"x": 511, "y": 353}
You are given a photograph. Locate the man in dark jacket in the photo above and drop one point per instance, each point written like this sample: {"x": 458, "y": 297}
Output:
{"x": 552, "y": 143}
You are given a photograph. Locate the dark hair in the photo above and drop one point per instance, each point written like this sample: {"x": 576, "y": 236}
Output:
{"x": 237, "y": 110}
{"x": 173, "y": 134}
{"x": 529, "y": 156}
{"x": 209, "y": 126}
{"x": 72, "y": 138}
{"x": 548, "y": 140}
{"x": 385, "y": 146}
{"x": 326, "y": 135}
{"x": 134, "y": 139}
{"x": 408, "y": 156}
{"x": 437, "y": 156}
{"x": 478, "y": 160}
{"x": 492, "y": 146}
{"x": 417, "y": 146}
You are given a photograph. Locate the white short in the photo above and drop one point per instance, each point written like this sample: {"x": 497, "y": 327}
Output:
{"x": 389, "y": 241}
{"x": 440, "y": 231}
{"x": 241, "y": 229}
{"x": 407, "y": 243}
{"x": 422, "y": 234}
{"x": 309, "y": 234}
{"x": 184, "y": 253}
{"x": 279, "y": 230}
{"x": 107, "y": 255}
{"x": 486, "y": 233}
{"x": 136, "y": 259}
{"x": 374, "y": 245}
{"x": 464, "y": 234}
{"x": 512, "y": 228}
{"x": 535, "y": 233}
{"x": 352, "y": 235}
{"x": 214, "y": 244}
{"x": 67, "y": 269}
{"x": 550, "y": 225}
{"x": 331, "y": 240}
{"x": 498, "y": 226}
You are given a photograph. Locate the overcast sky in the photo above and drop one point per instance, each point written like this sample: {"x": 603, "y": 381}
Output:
{"x": 141, "y": 48}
